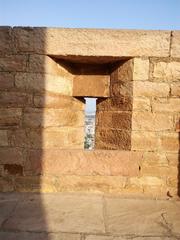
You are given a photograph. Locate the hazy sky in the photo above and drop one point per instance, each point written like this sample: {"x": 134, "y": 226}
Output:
{"x": 123, "y": 14}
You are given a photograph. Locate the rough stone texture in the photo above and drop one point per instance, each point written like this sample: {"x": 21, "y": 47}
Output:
{"x": 3, "y": 138}
{"x": 87, "y": 216}
{"x": 10, "y": 117}
{"x": 37, "y": 82}
{"x": 134, "y": 74}
{"x": 175, "y": 48}
{"x": 6, "y": 80}
{"x": 167, "y": 71}
{"x": 76, "y": 162}
{"x": 150, "y": 89}
{"x": 52, "y": 118}
{"x": 91, "y": 85}
{"x": 141, "y": 69}
{"x": 92, "y": 42}
{"x": 151, "y": 121}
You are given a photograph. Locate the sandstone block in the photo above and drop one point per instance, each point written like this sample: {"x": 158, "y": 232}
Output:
{"x": 175, "y": 89}
{"x": 173, "y": 159}
{"x": 6, "y": 45}
{"x": 141, "y": 140}
{"x": 122, "y": 71}
{"x": 6, "y": 80}
{"x": 118, "y": 120}
{"x": 141, "y": 69}
{"x": 23, "y": 39}
{"x": 167, "y": 71}
{"x": 10, "y": 117}
{"x": 91, "y": 85}
{"x": 170, "y": 105}
{"x": 141, "y": 104}
{"x": 62, "y": 138}
{"x": 15, "y": 99}
{"x": 84, "y": 163}
{"x": 92, "y": 42}
{"x": 46, "y": 64}
{"x": 112, "y": 139}
{"x": 122, "y": 89}
{"x": 150, "y": 89}
{"x": 11, "y": 156}
{"x": 170, "y": 142}
{"x": 34, "y": 118}
{"x": 16, "y": 63}
{"x": 175, "y": 49}
{"x": 3, "y": 138}
{"x": 121, "y": 103}
{"x": 6, "y": 185}
{"x": 151, "y": 121}
{"x": 43, "y": 82}
{"x": 147, "y": 181}
{"x": 107, "y": 184}
{"x": 155, "y": 159}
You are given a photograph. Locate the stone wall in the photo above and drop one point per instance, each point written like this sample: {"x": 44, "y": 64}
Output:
{"x": 44, "y": 75}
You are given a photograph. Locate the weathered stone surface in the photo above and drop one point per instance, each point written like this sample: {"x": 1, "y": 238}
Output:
{"x": 167, "y": 71}
{"x": 141, "y": 104}
{"x": 6, "y": 185}
{"x": 118, "y": 120}
{"x": 11, "y": 156}
{"x": 50, "y": 100}
{"x": 6, "y": 80}
{"x": 142, "y": 140}
{"x": 115, "y": 104}
{"x": 92, "y": 42}
{"x": 175, "y": 89}
{"x": 112, "y": 139}
{"x": 150, "y": 89}
{"x": 91, "y": 85}
{"x": 62, "y": 138}
{"x": 34, "y": 118}
{"x": 167, "y": 105}
{"x": 3, "y": 138}
{"x": 10, "y": 116}
{"x": 122, "y": 71}
{"x": 170, "y": 142}
{"x": 80, "y": 162}
{"x": 175, "y": 46}
{"x": 16, "y": 63}
{"x": 122, "y": 89}
{"x": 67, "y": 214}
{"x": 141, "y": 69}
{"x": 151, "y": 121}
{"x": 39, "y": 236}
{"x": 150, "y": 217}
{"x": 158, "y": 159}
{"x": 6, "y": 208}
{"x": 15, "y": 99}
{"x": 106, "y": 184}
{"x": 6, "y": 45}
{"x": 43, "y": 82}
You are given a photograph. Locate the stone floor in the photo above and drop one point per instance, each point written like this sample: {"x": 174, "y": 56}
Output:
{"x": 61, "y": 216}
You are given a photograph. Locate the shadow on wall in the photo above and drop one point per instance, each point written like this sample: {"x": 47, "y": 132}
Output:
{"x": 23, "y": 77}
{"x": 179, "y": 161}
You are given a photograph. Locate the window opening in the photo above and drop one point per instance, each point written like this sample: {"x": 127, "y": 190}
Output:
{"x": 90, "y": 120}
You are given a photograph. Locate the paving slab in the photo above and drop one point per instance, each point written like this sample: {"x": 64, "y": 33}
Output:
{"x": 142, "y": 217}
{"x": 58, "y": 212}
{"x": 62, "y": 216}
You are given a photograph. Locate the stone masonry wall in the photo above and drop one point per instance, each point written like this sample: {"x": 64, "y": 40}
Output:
{"x": 44, "y": 75}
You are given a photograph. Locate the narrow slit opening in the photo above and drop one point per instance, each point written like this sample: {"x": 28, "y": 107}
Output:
{"x": 90, "y": 119}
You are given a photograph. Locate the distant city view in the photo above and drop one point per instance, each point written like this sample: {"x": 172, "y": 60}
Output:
{"x": 90, "y": 116}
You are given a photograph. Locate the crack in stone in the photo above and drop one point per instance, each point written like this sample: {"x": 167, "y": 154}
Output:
{"x": 10, "y": 215}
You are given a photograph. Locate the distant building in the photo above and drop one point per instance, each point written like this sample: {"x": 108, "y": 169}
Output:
{"x": 89, "y": 130}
